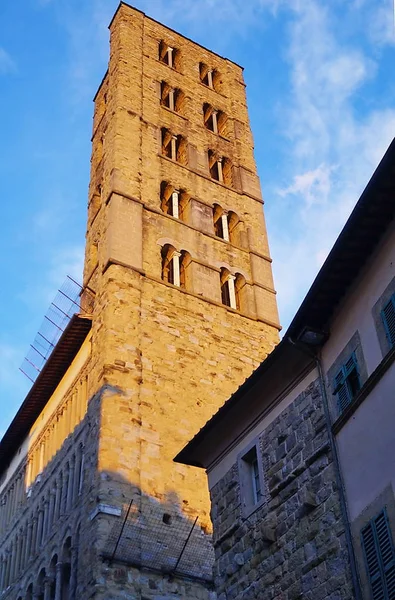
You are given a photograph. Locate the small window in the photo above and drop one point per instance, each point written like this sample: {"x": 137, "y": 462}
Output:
{"x": 170, "y": 265}
{"x": 241, "y": 292}
{"x": 347, "y": 383}
{"x": 251, "y": 479}
{"x": 209, "y": 77}
{"x": 220, "y": 168}
{"x": 388, "y": 317}
{"x": 168, "y": 55}
{"x": 228, "y": 296}
{"x": 214, "y": 120}
{"x": 172, "y": 98}
{"x": 379, "y": 555}
{"x": 174, "y": 202}
{"x": 173, "y": 146}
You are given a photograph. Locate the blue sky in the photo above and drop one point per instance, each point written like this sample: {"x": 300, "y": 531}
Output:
{"x": 321, "y": 93}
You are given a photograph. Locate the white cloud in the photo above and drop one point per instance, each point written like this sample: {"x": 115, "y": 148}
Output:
{"x": 333, "y": 148}
{"x": 7, "y": 64}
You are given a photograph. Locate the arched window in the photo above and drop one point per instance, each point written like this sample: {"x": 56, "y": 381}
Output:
{"x": 172, "y": 98}
{"x": 169, "y": 56}
{"x": 174, "y": 202}
{"x": 29, "y": 592}
{"x": 173, "y": 146}
{"x": 209, "y": 77}
{"x": 214, "y": 120}
{"x": 241, "y": 292}
{"x": 176, "y": 267}
{"x": 220, "y": 219}
{"x": 185, "y": 270}
{"x": 66, "y": 568}
{"x": 220, "y": 168}
{"x": 228, "y": 296}
{"x": 170, "y": 265}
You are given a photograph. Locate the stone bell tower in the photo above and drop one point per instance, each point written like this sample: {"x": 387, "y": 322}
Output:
{"x": 178, "y": 261}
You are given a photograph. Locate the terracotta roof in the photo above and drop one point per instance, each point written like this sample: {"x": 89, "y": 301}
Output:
{"x": 47, "y": 381}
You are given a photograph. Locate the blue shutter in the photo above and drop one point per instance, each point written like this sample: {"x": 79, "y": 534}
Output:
{"x": 379, "y": 557}
{"x": 388, "y": 317}
{"x": 341, "y": 390}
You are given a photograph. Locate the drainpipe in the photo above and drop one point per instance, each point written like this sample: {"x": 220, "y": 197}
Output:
{"x": 338, "y": 474}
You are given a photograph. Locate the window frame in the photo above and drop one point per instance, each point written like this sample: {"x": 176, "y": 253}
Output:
{"x": 341, "y": 383}
{"x": 379, "y": 554}
{"x": 388, "y": 331}
{"x": 250, "y": 467}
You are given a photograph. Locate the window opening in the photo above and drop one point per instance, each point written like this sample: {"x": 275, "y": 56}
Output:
{"x": 379, "y": 555}
{"x": 347, "y": 383}
{"x": 388, "y": 317}
{"x": 171, "y": 265}
{"x": 228, "y": 296}
{"x": 251, "y": 478}
{"x": 207, "y": 75}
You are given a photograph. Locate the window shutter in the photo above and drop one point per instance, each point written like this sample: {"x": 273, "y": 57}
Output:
{"x": 386, "y": 549}
{"x": 388, "y": 316}
{"x": 379, "y": 557}
{"x": 341, "y": 390}
{"x": 351, "y": 364}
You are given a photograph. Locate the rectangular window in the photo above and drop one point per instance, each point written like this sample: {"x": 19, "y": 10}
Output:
{"x": 347, "y": 383}
{"x": 251, "y": 479}
{"x": 378, "y": 550}
{"x": 388, "y": 317}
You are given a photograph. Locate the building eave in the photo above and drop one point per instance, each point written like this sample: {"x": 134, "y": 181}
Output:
{"x": 47, "y": 381}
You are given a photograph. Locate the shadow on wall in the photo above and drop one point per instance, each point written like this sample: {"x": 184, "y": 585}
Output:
{"x": 156, "y": 536}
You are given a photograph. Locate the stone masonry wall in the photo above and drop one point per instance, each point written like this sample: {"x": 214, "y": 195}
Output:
{"x": 294, "y": 545}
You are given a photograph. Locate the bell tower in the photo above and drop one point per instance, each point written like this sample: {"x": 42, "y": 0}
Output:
{"x": 178, "y": 261}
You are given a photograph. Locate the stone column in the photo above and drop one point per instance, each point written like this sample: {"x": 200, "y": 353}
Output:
{"x": 28, "y": 542}
{"x": 58, "y": 582}
{"x": 51, "y": 508}
{"x": 2, "y": 574}
{"x": 36, "y": 593}
{"x": 34, "y": 534}
{"x": 47, "y": 588}
{"x": 70, "y": 486}
{"x": 73, "y": 571}
{"x": 18, "y": 551}
{"x": 12, "y": 561}
{"x": 58, "y": 498}
{"x": 39, "y": 528}
{"x": 46, "y": 515}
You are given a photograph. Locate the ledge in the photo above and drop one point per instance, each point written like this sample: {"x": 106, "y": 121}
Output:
{"x": 365, "y": 390}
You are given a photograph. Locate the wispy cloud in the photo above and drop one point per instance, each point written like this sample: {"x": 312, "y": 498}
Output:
{"x": 333, "y": 148}
{"x": 7, "y": 63}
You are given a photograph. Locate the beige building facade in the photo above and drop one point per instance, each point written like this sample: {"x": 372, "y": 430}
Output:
{"x": 299, "y": 459}
{"x": 181, "y": 310}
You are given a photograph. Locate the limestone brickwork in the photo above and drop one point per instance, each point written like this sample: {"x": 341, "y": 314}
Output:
{"x": 164, "y": 354}
{"x": 293, "y": 546}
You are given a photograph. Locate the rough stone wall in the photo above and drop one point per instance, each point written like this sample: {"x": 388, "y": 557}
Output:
{"x": 293, "y": 546}
{"x": 165, "y": 359}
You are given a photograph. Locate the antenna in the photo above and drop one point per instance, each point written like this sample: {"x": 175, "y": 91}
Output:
{"x": 65, "y": 304}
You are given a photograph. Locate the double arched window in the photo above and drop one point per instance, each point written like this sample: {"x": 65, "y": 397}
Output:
{"x": 169, "y": 55}
{"x": 220, "y": 168}
{"x": 209, "y": 77}
{"x": 174, "y": 202}
{"x": 233, "y": 290}
{"x": 174, "y": 146}
{"x": 226, "y": 224}
{"x": 176, "y": 267}
{"x": 172, "y": 98}
{"x": 214, "y": 120}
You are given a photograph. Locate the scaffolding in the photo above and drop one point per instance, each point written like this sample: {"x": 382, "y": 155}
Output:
{"x": 166, "y": 542}
{"x": 67, "y": 302}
